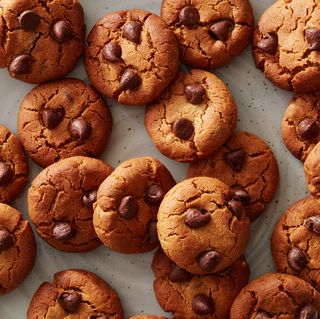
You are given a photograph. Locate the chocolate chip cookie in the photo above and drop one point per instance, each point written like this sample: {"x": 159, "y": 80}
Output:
{"x": 201, "y": 226}
{"x": 312, "y": 171}
{"x": 125, "y": 215}
{"x": 63, "y": 119}
{"x": 193, "y": 117}
{"x": 248, "y": 166}
{"x": 286, "y": 45}
{"x": 61, "y": 200}
{"x": 276, "y": 295}
{"x": 40, "y": 41}
{"x": 210, "y": 33}
{"x": 131, "y": 56}
{"x": 18, "y": 249}
{"x": 75, "y": 293}
{"x": 190, "y": 296}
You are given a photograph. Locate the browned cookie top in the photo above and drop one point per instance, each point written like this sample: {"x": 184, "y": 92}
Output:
{"x": 286, "y": 44}
{"x": 61, "y": 199}
{"x": 210, "y": 33}
{"x": 131, "y": 56}
{"x": 312, "y": 171}
{"x": 63, "y": 119}
{"x": 40, "y": 40}
{"x": 75, "y": 294}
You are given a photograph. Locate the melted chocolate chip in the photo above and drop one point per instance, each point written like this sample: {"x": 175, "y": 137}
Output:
{"x": 203, "y": 305}
{"x": 63, "y": 231}
{"x": 132, "y": 31}
{"x": 6, "y": 173}
{"x": 62, "y": 31}
{"x": 297, "y": 259}
{"x": 235, "y": 159}
{"x": 269, "y": 44}
{"x": 308, "y": 129}
{"x": 313, "y": 39}
{"x": 69, "y": 301}
{"x": 154, "y": 194}
{"x": 21, "y": 64}
{"x": 29, "y": 20}
{"x": 128, "y": 207}
{"x": 196, "y": 219}
{"x": 6, "y": 240}
{"x": 308, "y": 312}
{"x": 178, "y": 274}
{"x": 189, "y": 16}
{"x": 313, "y": 223}
{"x": 236, "y": 208}
{"x": 183, "y": 128}
{"x": 130, "y": 80}
{"x": 221, "y": 30}
{"x": 90, "y": 198}
{"x": 241, "y": 195}
{"x": 209, "y": 260}
{"x": 80, "y": 129}
{"x": 51, "y": 118}
{"x": 152, "y": 236}
{"x": 112, "y": 52}
{"x": 196, "y": 93}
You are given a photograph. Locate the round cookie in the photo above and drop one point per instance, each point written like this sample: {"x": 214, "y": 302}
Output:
{"x": 63, "y": 119}
{"x": 18, "y": 249}
{"x": 125, "y": 214}
{"x": 13, "y": 166}
{"x": 193, "y": 117}
{"x": 61, "y": 199}
{"x": 190, "y": 296}
{"x": 275, "y": 295}
{"x": 75, "y": 293}
{"x": 131, "y": 56}
{"x": 210, "y": 33}
{"x": 40, "y": 41}
{"x": 248, "y": 166}
{"x": 201, "y": 227}
{"x": 312, "y": 171}
{"x": 286, "y": 45}
{"x": 147, "y": 317}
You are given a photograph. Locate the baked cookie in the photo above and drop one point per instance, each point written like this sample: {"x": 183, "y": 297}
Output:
{"x": 75, "y": 293}
{"x": 63, "y": 119}
{"x": 312, "y": 171}
{"x": 210, "y": 33}
{"x": 193, "y": 117}
{"x": 40, "y": 40}
{"x": 275, "y": 295}
{"x": 131, "y": 56}
{"x": 190, "y": 296}
{"x": 125, "y": 214}
{"x": 286, "y": 45}
{"x": 147, "y": 317}
{"x": 13, "y": 166}
{"x": 61, "y": 199}
{"x": 248, "y": 166}
{"x": 201, "y": 227}
{"x": 18, "y": 249}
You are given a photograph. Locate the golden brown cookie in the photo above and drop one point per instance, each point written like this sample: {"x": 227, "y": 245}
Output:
{"x": 75, "y": 293}
{"x": 61, "y": 199}
{"x": 131, "y": 56}
{"x": 193, "y": 117}
{"x": 125, "y": 214}
{"x": 63, "y": 119}
{"x": 248, "y": 166}
{"x": 201, "y": 227}
{"x": 312, "y": 171}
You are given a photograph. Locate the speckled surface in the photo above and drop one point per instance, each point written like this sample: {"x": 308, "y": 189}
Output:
{"x": 261, "y": 107}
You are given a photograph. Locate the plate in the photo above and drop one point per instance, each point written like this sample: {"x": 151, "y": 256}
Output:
{"x": 260, "y": 106}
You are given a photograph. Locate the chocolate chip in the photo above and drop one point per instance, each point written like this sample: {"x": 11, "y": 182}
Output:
{"x": 195, "y": 93}
{"x": 6, "y": 240}
{"x": 94, "y": 316}
{"x": 29, "y": 20}
{"x": 241, "y": 195}
{"x": 130, "y": 80}
{"x": 128, "y": 207}
{"x": 152, "y": 237}
{"x": 63, "y": 31}
{"x": 313, "y": 223}
{"x": 221, "y": 30}
{"x": 21, "y": 64}
{"x": 269, "y": 44}
{"x": 178, "y": 274}
{"x": 308, "y": 129}
{"x": 313, "y": 39}
{"x": 69, "y": 301}
{"x": 183, "y": 128}
{"x": 63, "y": 231}
{"x": 235, "y": 159}
{"x": 154, "y": 194}
{"x": 203, "y": 305}
{"x": 132, "y": 31}
{"x": 297, "y": 259}
{"x": 112, "y": 52}
{"x": 80, "y": 129}
{"x": 236, "y": 208}
{"x": 262, "y": 315}
{"x": 6, "y": 173}
{"x": 196, "y": 219}
{"x": 308, "y": 312}
{"x": 52, "y": 117}
{"x": 90, "y": 198}
{"x": 189, "y": 16}
{"x": 209, "y": 260}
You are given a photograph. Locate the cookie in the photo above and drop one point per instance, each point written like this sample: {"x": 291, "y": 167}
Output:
{"x": 275, "y": 295}
{"x": 147, "y": 317}
{"x": 190, "y": 296}
{"x": 61, "y": 199}
{"x": 286, "y": 45}
{"x": 248, "y": 166}
{"x": 131, "y": 56}
{"x": 210, "y": 33}
{"x": 18, "y": 249}
{"x": 125, "y": 214}
{"x": 13, "y": 166}
{"x": 40, "y": 41}
{"x": 63, "y": 119}
{"x": 75, "y": 293}
{"x": 193, "y": 117}
{"x": 201, "y": 227}
{"x": 312, "y": 171}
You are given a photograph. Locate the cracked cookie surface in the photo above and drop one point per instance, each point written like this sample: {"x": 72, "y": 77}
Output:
{"x": 40, "y": 40}
{"x": 131, "y": 56}
{"x": 125, "y": 214}
{"x": 75, "y": 294}
{"x": 248, "y": 166}
{"x": 17, "y": 249}
{"x": 63, "y": 119}
{"x": 193, "y": 117}
{"x": 60, "y": 202}
{"x": 312, "y": 171}
{"x": 201, "y": 227}
{"x": 211, "y": 32}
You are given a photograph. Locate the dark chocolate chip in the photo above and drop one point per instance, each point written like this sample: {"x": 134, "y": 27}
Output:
{"x": 203, "y": 305}
{"x": 6, "y": 240}
{"x": 128, "y": 207}
{"x": 313, "y": 223}
{"x": 308, "y": 129}
{"x": 90, "y": 198}
{"x": 313, "y": 39}
{"x": 80, "y": 129}
{"x": 21, "y": 64}
{"x": 209, "y": 260}
{"x": 178, "y": 274}
{"x": 221, "y": 30}
{"x": 269, "y": 44}
{"x": 195, "y": 93}
{"x": 132, "y": 31}
{"x": 235, "y": 159}
{"x": 6, "y": 173}
{"x": 236, "y": 208}
{"x": 196, "y": 219}
{"x": 183, "y": 128}
{"x": 154, "y": 194}
{"x": 152, "y": 236}
{"x": 63, "y": 231}
{"x": 51, "y": 118}
{"x": 63, "y": 31}
{"x": 308, "y": 312}
{"x": 297, "y": 259}
{"x": 189, "y": 16}
{"x": 262, "y": 315}
{"x": 94, "y": 316}
{"x": 29, "y": 20}
{"x": 130, "y": 80}
{"x": 69, "y": 301}
{"x": 241, "y": 195}
{"x": 112, "y": 52}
